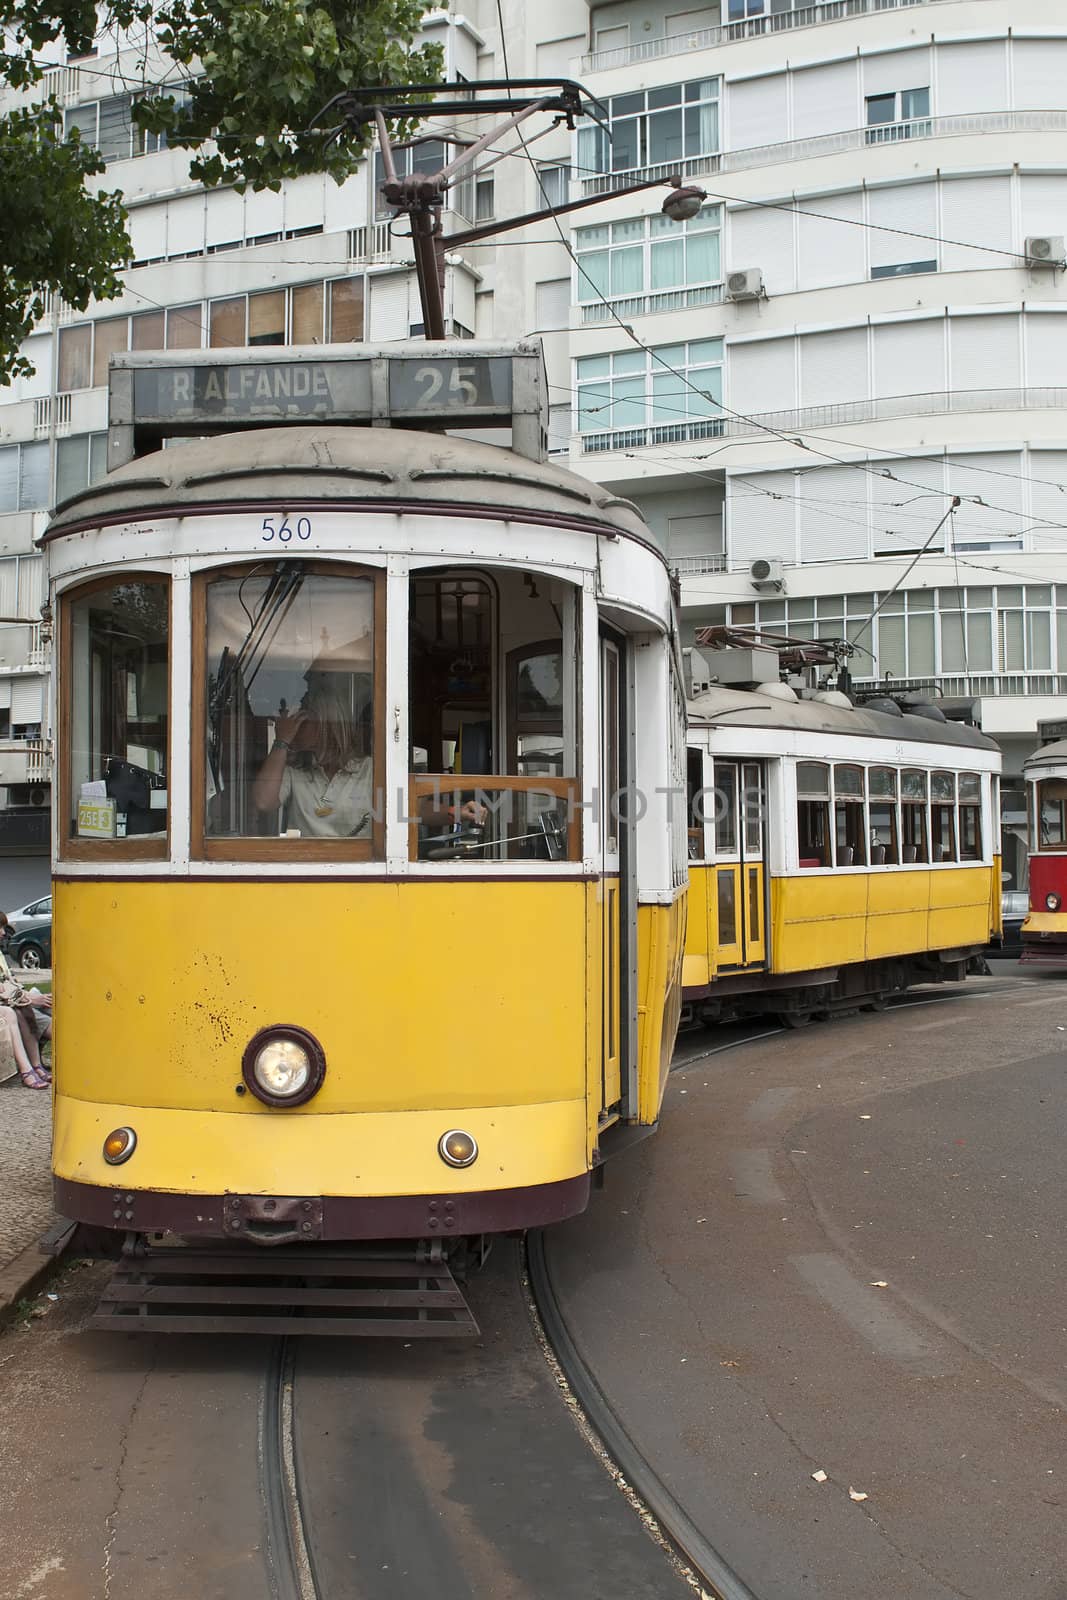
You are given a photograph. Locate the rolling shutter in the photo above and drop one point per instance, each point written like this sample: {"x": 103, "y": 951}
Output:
{"x": 756, "y": 112}
{"x": 26, "y": 700}
{"x": 1046, "y": 356}
{"x": 1039, "y": 74}
{"x": 763, "y": 238}
{"x": 832, "y": 251}
{"x": 760, "y": 526}
{"x": 978, "y": 211}
{"x": 760, "y": 376}
{"x": 984, "y": 352}
{"x": 833, "y": 367}
{"x": 826, "y": 99}
{"x": 911, "y": 209}
{"x": 971, "y": 77}
{"x": 909, "y": 357}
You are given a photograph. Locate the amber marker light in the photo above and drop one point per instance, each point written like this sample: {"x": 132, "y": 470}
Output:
{"x": 119, "y": 1146}
{"x": 458, "y": 1149}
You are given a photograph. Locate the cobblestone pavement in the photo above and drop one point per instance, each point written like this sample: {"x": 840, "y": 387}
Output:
{"x": 25, "y": 1176}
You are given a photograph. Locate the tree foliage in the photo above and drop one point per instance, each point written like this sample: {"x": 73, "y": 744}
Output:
{"x": 252, "y": 77}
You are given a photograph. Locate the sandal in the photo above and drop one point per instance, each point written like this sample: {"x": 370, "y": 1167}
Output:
{"x": 34, "y": 1079}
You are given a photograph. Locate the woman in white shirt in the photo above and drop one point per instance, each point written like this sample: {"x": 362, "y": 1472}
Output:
{"x": 317, "y": 769}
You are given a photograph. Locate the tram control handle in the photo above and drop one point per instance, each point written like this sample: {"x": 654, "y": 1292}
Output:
{"x": 550, "y": 833}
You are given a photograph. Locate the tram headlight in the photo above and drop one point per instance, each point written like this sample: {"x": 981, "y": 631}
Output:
{"x": 119, "y": 1146}
{"x": 284, "y": 1065}
{"x": 458, "y": 1149}
{"x": 1052, "y": 902}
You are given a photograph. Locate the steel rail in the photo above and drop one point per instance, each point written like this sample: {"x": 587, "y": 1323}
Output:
{"x": 289, "y": 1560}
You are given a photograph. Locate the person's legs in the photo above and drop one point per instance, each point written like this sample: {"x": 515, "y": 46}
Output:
{"x": 28, "y": 1030}
{"x": 31, "y": 1077}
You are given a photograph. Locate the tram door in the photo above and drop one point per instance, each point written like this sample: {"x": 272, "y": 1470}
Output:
{"x": 612, "y": 883}
{"x": 740, "y": 827}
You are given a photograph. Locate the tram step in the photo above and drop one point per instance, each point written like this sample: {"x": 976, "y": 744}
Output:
{"x": 180, "y": 1290}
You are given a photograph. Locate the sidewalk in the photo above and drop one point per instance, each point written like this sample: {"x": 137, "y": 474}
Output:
{"x": 25, "y": 1181}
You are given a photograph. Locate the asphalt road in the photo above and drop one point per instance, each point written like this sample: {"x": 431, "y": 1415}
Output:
{"x": 845, "y": 1254}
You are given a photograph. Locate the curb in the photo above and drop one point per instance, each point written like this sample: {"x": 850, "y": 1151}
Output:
{"x": 29, "y": 1271}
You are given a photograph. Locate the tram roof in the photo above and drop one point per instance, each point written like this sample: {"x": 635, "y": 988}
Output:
{"x": 1049, "y": 755}
{"x": 750, "y": 708}
{"x": 347, "y": 465}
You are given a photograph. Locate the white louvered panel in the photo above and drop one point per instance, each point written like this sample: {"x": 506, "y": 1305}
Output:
{"x": 826, "y": 99}
{"x": 225, "y": 222}
{"x": 26, "y": 700}
{"x": 909, "y": 358}
{"x": 1044, "y": 204}
{"x": 5, "y": 693}
{"x": 761, "y": 376}
{"x": 973, "y": 478}
{"x": 1046, "y": 357}
{"x": 304, "y": 202}
{"x": 760, "y": 526}
{"x": 148, "y": 232}
{"x": 33, "y": 588}
{"x": 833, "y": 367}
{"x": 763, "y": 238}
{"x": 1047, "y": 469}
{"x": 895, "y": 70}
{"x": 264, "y": 213}
{"x": 984, "y": 352}
{"x": 695, "y": 536}
{"x": 908, "y": 505}
{"x": 832, "y": 515}
{"x": 1039, "y": 74}
{"x": 389, "y": 307}
{"x": 9, "y": 574}
{"x": 905, "y": 212}
{"x": 185, "y": 225}
{"x": 552, "y": 304}
{"x": 975, "y": 211}
{"x": 756, "y": 112}
{"x": 832, "y": 252}
{"x": 971, "y": 77}
{"x": 342, "y": 204}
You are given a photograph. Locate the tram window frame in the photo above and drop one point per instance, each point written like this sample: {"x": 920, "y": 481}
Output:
{"x": 131, "y": 847}
{"x": 915, "y": 817}
{"x": 695, "y": 793}
{"x": 279, "y": 848}
{"x": 969, "y": 830}
{"x": 1044, "y": 842}
{"x": 884, "y": 812}
{"x": 943, "y": 817}
{"x": 530, "y": 818}
{"x": 813, "y": 816}
{"x": 850, "y": 817}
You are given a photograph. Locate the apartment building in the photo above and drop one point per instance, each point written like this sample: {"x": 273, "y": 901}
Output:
{"x": 866, "y": 318}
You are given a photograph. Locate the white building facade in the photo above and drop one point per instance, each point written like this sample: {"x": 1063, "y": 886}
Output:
{"x": 867, "y": 318}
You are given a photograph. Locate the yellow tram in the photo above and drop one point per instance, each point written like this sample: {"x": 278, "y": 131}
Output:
{"x": 838, "y": 853}
{"x": 365, "y": 928}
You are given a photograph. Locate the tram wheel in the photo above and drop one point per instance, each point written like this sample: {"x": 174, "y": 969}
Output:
{"x": 875, "y": 1002}
{"x": 797, "y": 1019}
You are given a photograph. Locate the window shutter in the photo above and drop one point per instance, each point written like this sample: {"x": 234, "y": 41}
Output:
{"x": 1039, "y": 73}
{"x": 911, "y": 208}
{"x": 970, "y": 76}
{"x": 833, "y": 367}
{"x": 984, "y": 353}
{"x": 826, "y": 100}
{"x": 909, "y": 358}
{"x": 552, "y": 304}
{"x": 832, "y": 252}
{"x": 978, "y": 211}
{"x": 759, "y": 526}
{"x": 26, "y": 701}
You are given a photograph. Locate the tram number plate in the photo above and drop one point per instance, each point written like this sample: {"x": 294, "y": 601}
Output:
{"x": 281, "y": 528}
{"x": 432, "y": 387}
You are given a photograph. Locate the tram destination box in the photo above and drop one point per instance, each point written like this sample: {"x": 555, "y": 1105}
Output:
{"x": 156, "y": 395}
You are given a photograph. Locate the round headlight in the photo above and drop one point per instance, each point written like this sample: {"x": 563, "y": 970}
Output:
{"x": 457, "y": 1148}
{"x": 284, "y": 1066}
{"x": 119, "y": 1146}
{"x": 1052, "y": 902}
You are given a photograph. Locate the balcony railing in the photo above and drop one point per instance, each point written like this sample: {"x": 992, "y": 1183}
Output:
{"x": 973, "y": 685}
{"x": 683, "y": 44}
{"x": 897, "y": 405}
{"x": 638, "y": 438}
{"x": 693, "y": 566}
{"x": 638, "y": 305}
{"x": 829, "y": 144}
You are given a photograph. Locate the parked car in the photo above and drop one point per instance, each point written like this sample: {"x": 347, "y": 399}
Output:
{"x": 36, "y": 913}
{"x": 32, "y": 947}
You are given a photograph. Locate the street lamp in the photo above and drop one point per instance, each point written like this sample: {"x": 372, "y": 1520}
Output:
{"x": 421, "y": 195}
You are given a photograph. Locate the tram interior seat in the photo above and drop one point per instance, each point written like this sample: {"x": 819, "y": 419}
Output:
{"x": 910, "y": 853}
{"x": 877, "y": 855}
{"x": 846, "y": 855}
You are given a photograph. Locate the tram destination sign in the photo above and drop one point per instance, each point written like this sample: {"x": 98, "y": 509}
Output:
{"x": 154, "y": 395}
{"x": 266, "y": 391}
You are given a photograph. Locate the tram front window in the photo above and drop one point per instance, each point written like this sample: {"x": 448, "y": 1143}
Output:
{"x": 1052, "y": 812}
{"x": 289, "y": 705}
{"x": 115, "y": 668}
{"x": 493, "y": 696}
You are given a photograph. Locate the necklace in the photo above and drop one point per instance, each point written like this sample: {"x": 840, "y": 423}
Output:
{"x": 324, "y": 808}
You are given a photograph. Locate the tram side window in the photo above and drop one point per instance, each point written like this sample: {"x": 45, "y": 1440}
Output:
{"x": 289, "y": 706}
{"x": 943, "y": 815}
{"x": 694, "y": 783}
{"x": 850, "y": 827}
{"x": 813, "y": 814}
{"x": 885, "y": 835}
{"x": 116, "y": 667}
{"x": 1052, "y": 813}
{"x": 913, "y": 798}
{"x": 970, "y": 788}
{"x": 493, "y": 672}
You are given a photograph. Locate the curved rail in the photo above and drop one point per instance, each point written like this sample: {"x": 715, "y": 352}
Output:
{"x": 292, "y": 1571}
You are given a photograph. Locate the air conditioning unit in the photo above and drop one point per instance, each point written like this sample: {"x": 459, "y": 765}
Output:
{"x": 1044, "y": 250}
{"x": 767, "y": 576}
{"x": 745, "y": 285}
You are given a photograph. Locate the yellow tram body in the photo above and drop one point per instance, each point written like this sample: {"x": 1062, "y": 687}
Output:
{"x": 482, "y": 1013}
{"x": 836, "y": 853}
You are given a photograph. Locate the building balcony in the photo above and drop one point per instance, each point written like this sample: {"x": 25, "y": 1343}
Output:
{"x": 831, "y": 144}
{"x": 684, "y": 44}
{"x": 886, "y": 408}
{"x": 25, "y": 761}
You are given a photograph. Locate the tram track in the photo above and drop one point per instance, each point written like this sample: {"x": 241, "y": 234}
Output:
{"x": 289, "y": 1558}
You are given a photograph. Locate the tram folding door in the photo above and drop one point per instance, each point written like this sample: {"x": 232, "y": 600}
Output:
{"x": 616, "y": 930}
{"x": 740, "y": 840}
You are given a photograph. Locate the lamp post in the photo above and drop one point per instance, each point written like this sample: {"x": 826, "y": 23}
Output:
{"x": 421, "y": 195}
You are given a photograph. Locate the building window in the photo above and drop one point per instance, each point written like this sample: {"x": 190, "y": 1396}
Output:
{"x": 648, "y": 256}
{"x": 308, "y": 313}
{"x": 555, "y": 185}
{"x": 904, "y": 115}
{"x": 651, "y": 396}
{"x": 426, "y": 156}
{"x": 904, "y": 269}
{"x": 80, "y": 461}
{"x": 24, "y": 477}
{"x": 484, "y": 199}
{"x": 654, "y": 127}
{"x": 109, "y": 127}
